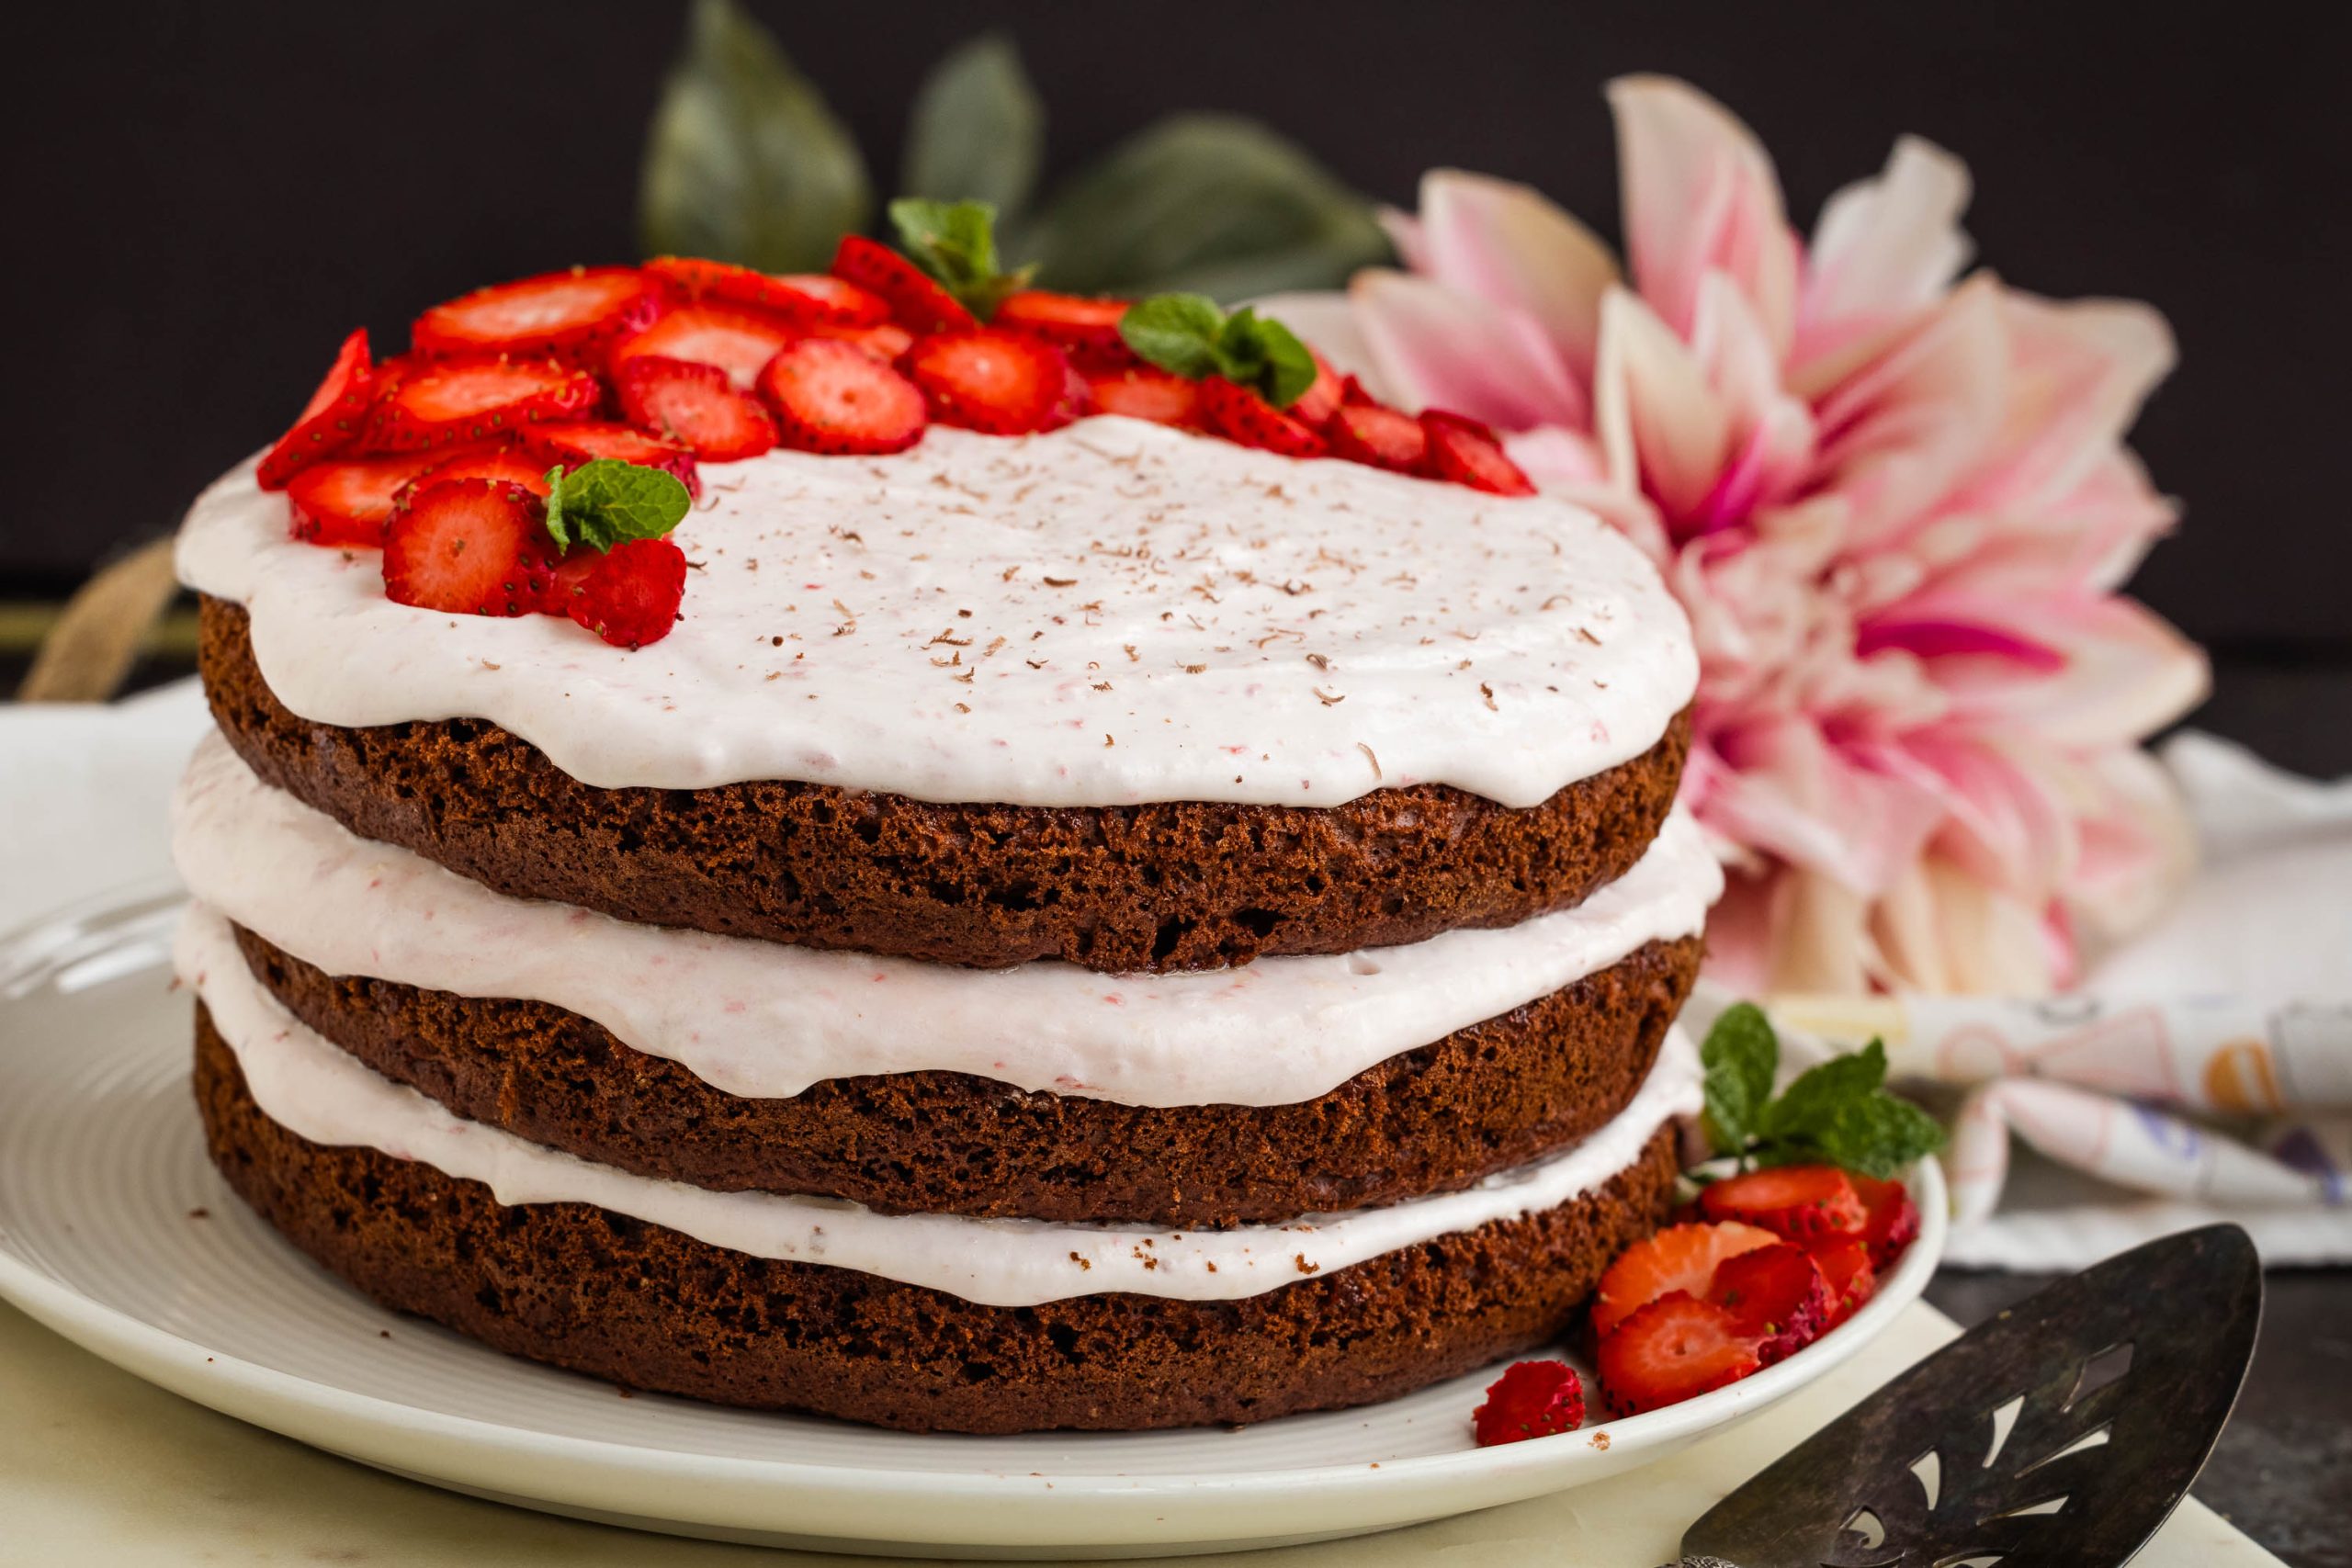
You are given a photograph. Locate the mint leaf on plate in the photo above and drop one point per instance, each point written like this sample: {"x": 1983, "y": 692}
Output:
{"x": 1740, "y": 1056}
{"x": 1837, "y": 1113}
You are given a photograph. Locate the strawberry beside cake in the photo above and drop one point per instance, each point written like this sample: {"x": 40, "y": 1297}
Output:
{"x": 772, "y": 841}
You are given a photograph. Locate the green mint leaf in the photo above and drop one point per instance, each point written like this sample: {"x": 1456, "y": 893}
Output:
{"x": 1877, "y": 1135}
{"x": 1822, "y": 1093}
{"x": 1188, "y": 335}
{"x": 1176, "y": 331}
{"x": 607, "y": 501}
{"x": 1740, "y": 1056}
{"x": 955, "y": 243}
{"x": 977, "y": 131}
{"x": 744, "y": 162}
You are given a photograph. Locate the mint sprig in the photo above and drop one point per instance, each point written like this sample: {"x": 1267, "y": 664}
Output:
{"x": 955, "y": 243}
{"x": 1190, "y": 335}
{"x": 606, "y": 501}
{"x": 1837, "y": 1113}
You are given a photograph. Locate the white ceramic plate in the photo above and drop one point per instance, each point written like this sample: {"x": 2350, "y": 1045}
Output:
{"x": 115, "y": 1231}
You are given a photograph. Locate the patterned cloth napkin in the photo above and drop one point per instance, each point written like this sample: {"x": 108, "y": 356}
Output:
{"x": 2204, "y": 1072}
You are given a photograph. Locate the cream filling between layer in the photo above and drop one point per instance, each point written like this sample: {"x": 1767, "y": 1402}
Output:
{"x": 764, "y": 1020}
{"x": 308, "y": 1086}
{"x": 1110, "y": 613}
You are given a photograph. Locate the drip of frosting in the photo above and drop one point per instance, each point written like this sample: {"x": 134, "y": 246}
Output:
{"x": 764, "y": 1020}
{"x": 308, "y": 1086}
{"x": 1112, "y": 614}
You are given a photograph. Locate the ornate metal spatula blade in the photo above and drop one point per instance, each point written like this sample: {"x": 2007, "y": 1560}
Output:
{"x": 2062, "y": 1431}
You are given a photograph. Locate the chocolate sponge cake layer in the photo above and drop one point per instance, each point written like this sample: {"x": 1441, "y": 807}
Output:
{"x": 1495, "y": 1095}
{"x": 581, "y": 1287}
{"x": 1173, "y": 885}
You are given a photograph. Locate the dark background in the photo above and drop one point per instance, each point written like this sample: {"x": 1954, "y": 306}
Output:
{"x": 204, "y": 199}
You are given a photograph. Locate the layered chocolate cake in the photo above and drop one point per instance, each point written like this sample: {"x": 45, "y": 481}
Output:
{"x": 1103, "y": 927}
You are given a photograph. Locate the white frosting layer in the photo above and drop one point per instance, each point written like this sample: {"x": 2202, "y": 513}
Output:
{"x": 1113, "y": 612}
{"x": 764, "y": 1020}
{"x": 306, "y": 1085}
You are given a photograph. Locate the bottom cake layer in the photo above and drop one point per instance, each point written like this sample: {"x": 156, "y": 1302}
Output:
{"x": 597, "y": 1291}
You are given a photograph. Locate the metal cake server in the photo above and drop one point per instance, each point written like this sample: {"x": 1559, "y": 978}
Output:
{"x": 2062, "y": 1431}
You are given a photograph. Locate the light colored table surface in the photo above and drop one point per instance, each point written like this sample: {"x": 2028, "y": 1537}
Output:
{"x": 99, "y": 1468}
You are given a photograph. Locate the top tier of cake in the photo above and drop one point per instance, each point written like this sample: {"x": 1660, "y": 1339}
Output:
{"x": 1112, "y": 614}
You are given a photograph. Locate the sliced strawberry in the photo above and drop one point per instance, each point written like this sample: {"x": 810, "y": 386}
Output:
{"x": 1464, "y": 452}
{"x": 330, "y": 421}
{"x": 1243, "y": 416}
{"x": 449, "y": 402}
{"x": 917, "y": 303}
{"x": 629, "y": 596}
{"x": 1533, "y": 1399}
{"x": 499, "y": 461}
{"x": 470, "y": 547}
{"x": 1087, "y": 330}
{"x": 696, "y": 406}
{"x": 1680, "y": 1258}
{"x": 349, "y": 501}
{"x": 568, "y": 445}
{"x": 1320, "y": 402}
{"x": 1778, "y": 1296}
{"x": 1844, "y": 1265}
{"x": 572, "y": 315}
{"x": 885, "y": 340}
{"x": 1145, "y": 393}
{"x": 803, "y": 298}
{"x": 1891, "y": 1221}
{"x": 1676, "y": 1347}
{"x": 737, "y": 341}
{"x": 1352, "y": 393}
{"x": 1367, "y": 432}
{"x": 830, "y": 396}
{"x": 986, "y": 379}
{"x": 1797, "y": 1201}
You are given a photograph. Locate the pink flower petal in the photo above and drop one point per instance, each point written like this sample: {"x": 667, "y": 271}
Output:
{"x": 1662, "y": 428}
{"x": 2078, "y": 374}
{"x": 1928, "y": 637}
{"x": 1327, "y": 322}
{"x": 1437, "y": 347}
{"x": 1883, "y": 249}
{"x": 2126, "y": 673}
{"x": 1700, "y": 193}
{"x": 1507, "y": 243}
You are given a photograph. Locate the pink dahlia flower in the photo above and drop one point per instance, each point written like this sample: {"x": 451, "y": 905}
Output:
{"x": 1894, "y": 500}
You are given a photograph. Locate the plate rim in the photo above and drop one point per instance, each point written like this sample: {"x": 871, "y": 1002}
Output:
{"x": 252, "y": 1391}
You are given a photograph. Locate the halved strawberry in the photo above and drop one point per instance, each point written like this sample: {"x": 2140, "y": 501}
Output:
{"x": 1367, "y": 432}
{"x": 1890, "y": 1222}
{"x": 447, "y": 403}
{"x": 1676, "y": 1347}
{"x": 802, "y": 299}
{"x": 1464, "y": 452}
{"x": 737, "y": 341}
{"x": 1778, "y": 1296}
{"x": 631, "y": 596}
{"x": 885, "y": 340}
{"x": 470, "y": 547}
{"x": 1798, "y": 1201}
{"x": 330, "y": 421}
{"x": 830, "y": 396}
{"x": 347, "y": 502}
{"x": 494, "y": 461}
{"x": 1085, "y": 329}
{"x": 1243, "y": 416}
{"x": 573, "y": 444}
{"x": 986, "y": 379}
{"x": 916, "y": 302}
{"x": 1680, "y": 1258}
{"x": 571, "y": 315}
{"x": 1321, "y": 400}
{"x": 1145, "y": 393}
{"x": 696, "y": 406}
{"x": 1533, "y": 1399}
{"x": 1844, "y": 1265}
